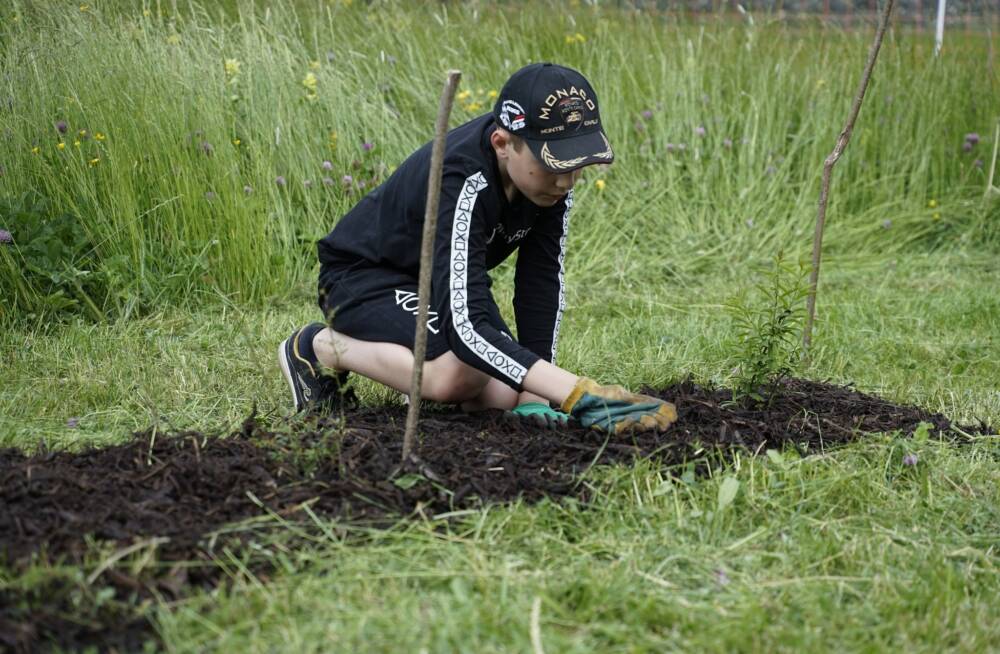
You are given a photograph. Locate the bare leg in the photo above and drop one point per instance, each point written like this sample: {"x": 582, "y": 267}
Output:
{"x": 446, "y": 378}
{"x": 495, "y": 395}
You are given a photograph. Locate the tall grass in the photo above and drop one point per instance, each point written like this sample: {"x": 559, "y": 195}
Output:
{"x": 175, "y": 212}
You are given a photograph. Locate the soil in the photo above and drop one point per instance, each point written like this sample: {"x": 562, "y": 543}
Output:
{"x": 173, "y": 493}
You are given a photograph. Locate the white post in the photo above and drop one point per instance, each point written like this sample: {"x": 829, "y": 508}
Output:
{"x": 939, "y": 35}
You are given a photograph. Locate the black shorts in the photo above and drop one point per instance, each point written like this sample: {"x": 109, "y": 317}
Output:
{"x": 380, "y": 305}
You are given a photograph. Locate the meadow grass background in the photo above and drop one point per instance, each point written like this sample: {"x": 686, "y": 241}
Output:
{"x": 191, "y": 261}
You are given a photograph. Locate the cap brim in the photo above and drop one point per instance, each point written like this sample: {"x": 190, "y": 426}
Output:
{"x": 567, "y": 154}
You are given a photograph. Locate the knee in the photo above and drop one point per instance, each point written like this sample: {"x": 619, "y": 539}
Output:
{"x": 450, "y": 380}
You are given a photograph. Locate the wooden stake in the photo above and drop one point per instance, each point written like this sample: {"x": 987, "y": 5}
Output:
{"x": 824, "y": 191}
{"x": 427, "y": 257}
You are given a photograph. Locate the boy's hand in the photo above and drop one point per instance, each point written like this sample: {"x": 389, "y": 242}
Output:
{"x": 540, "y": 415}
{"x": 615, "y": 410}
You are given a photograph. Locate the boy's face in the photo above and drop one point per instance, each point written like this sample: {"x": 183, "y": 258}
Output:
{"x": 541, "y": 186}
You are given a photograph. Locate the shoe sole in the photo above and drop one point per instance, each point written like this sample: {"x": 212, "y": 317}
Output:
{"x": 286, "y": 371}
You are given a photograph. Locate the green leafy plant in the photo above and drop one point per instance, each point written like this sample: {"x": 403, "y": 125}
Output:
{"x": 53, "y": 257}
{"x": 767, "y": 321}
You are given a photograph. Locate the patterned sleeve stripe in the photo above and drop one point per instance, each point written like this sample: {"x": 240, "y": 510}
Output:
{"x": 458, "y": 267}
{"x": 562, "y": 280}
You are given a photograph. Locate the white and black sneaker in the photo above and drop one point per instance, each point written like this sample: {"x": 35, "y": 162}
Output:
{"x": 312, "y": 388}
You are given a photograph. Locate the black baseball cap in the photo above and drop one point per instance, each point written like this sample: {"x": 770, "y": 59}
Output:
{"x": 554, "y": 109}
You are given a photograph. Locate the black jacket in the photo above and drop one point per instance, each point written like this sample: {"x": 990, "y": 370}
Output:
{"x": 477, "y": 229}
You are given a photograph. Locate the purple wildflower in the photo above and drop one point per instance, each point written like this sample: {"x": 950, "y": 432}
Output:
{"x": 750, "y": 223}
{"x": 670, "y": 147}
{"x": 967, "y": 146}
{"x": 207, "y": 148}
{"x": 361, "y": 184}
{"x": 72, "y": 423}
{"x": 347, "y": 180}
{"x": 770, "y": 170}
{"x": 367, "y": 147}
{"x": 699, "y": 130}
{"x": 247, "y": 190}
{"x": 886, "y": 224}
{"x": 62, "y": 126}
{"x": 727, "y": 143}
{"x": 647, "y": 114}
{"x": 972, "y": 137}
{"x": 639, "y": 127}
{"x": 721, "y": 577}
{"x": 209, "y": 195}
{"x": 978, "y": 163}
{"x": 280, "y": 180}
{"x": 327, "y": 164}
{"x": 6, "y": 237}
{"x": 307, "y": 183}
{"x": 910, "y": 459}
{"x": 327, "y": 181}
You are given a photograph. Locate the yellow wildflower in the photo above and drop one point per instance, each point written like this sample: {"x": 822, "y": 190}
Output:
{"x": 474, "y": 106}
{"x": 174, "y": 39}
{"x": 936, "y": 215}
{"x": 932, "y": 203}
{"x": 35, "y": 150}
{"x": 333, "y": 140}
{"x": 463, "y": 96}
{"x": 310, "y": 82}
{"x": 93, "y": 162}
{"x": 84, "y": 7}
{"x": 76, "y": 143}
{"x": 313, "y": 65}
{"x": 232, "y": 67}
{"x": 599, "y": 183}
{"x": 98, "y": 136}
{"x": 492, "y": 95}
{"x": 579, "y": 38}
{"x": 146, "y": 12}
{"x": 61, "y": 145}
{"x": 82, "y": 132}
{"x": 237, "y": 142}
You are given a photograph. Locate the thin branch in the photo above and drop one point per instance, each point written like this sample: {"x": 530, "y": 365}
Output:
{"x": 824, "y": 193}
{"x": 427, "y": 257}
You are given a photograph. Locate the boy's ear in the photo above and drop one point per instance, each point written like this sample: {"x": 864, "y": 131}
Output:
{"x": 500, "y": 139}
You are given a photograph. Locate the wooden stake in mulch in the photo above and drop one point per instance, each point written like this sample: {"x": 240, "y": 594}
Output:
{"x": 427, "y": 257}
{"x": 824, "y": 191}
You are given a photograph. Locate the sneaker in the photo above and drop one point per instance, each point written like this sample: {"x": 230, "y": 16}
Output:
{"x": 311, "y": 387}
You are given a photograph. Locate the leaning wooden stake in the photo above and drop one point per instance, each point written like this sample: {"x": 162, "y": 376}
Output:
{"x": 824, "y": 191}
{"x": 427, "y": 257}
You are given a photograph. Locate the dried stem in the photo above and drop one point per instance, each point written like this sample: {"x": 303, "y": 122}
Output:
{"x": 427, "y": 257}
{"x": 824, "y": 193}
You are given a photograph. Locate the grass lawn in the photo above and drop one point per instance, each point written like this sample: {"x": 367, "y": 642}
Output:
{"x": 172, "y": 269}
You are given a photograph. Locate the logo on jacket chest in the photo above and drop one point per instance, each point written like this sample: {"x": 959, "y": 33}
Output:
{"x": 508, "y": 238}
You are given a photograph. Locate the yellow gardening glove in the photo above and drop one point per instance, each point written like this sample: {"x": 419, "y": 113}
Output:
{"x": 615, "y": 410}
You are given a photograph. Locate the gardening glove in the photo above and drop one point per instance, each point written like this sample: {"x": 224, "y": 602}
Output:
{"x": 539, "y": 414}
{"x": 615, "y": 410}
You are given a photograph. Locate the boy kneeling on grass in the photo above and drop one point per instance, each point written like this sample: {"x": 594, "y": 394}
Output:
{"x": 507, "y": 184}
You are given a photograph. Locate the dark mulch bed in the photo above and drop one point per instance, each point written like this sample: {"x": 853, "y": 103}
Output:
{"x": 180, "y": 487}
